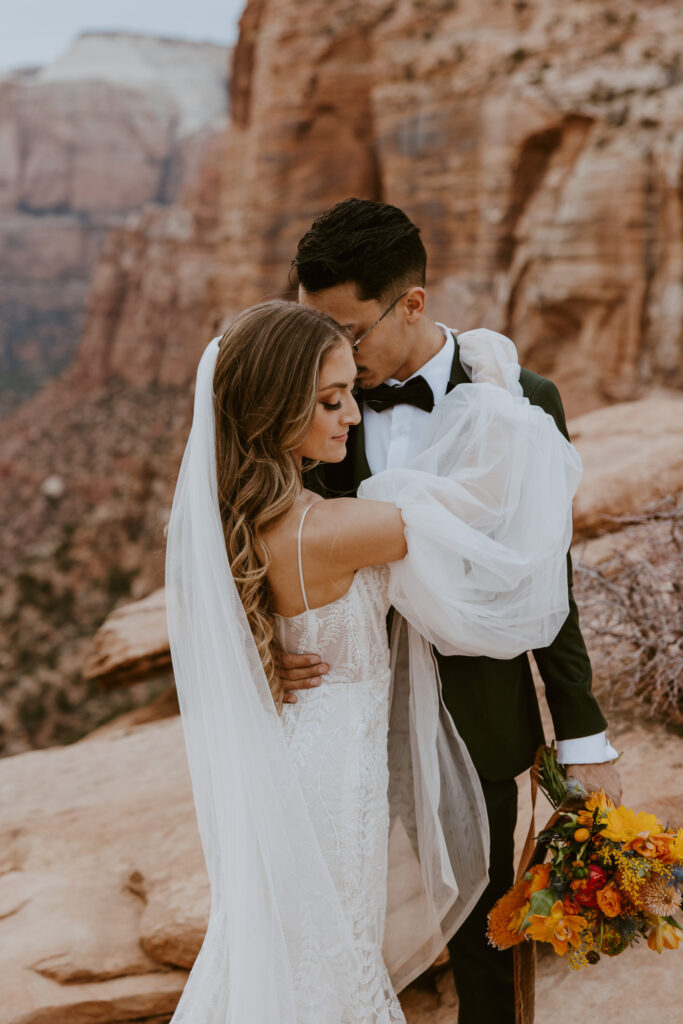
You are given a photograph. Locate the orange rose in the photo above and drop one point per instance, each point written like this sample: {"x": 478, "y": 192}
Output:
{"x": 609, "y": 900}
{"x": 664, "y": 842}
{"x": 541, "y": 877}
{"x": 570, "y": 906}
{"x": 644, "y": 846}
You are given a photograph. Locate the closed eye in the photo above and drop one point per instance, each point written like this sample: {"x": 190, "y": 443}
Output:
{"x": 327, "y": 405}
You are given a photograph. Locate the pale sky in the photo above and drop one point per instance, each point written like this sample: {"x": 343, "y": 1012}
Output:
{"x": 37, "y": 31}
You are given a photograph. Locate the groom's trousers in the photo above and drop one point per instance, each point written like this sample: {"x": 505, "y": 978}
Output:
{"x": 484, "y": 975}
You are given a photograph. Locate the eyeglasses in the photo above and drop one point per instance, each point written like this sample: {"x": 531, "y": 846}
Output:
{"x": 356, "y": 342}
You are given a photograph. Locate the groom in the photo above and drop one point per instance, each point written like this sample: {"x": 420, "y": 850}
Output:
{"x": 364, "y": 263}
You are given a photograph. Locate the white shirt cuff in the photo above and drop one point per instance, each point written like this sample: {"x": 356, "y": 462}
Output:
{"x": 594, "y": 749}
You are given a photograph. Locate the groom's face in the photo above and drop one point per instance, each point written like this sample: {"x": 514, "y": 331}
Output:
{"x": 385, "y": 349}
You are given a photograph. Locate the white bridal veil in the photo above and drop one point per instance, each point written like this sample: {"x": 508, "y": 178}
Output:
{"x": 487, "y": 511}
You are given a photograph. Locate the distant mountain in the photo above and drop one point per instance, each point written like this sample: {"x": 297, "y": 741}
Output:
{"x": 192, "y": 76}
{"x": 116, "y": 123}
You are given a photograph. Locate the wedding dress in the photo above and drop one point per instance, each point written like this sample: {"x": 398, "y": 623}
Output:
{"x": 337, "y": 738}
{"x": 346, "y": 839}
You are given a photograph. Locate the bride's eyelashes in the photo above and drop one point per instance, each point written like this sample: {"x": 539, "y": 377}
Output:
{"x": 332, "y": 408}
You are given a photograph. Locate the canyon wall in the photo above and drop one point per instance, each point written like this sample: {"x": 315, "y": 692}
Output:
{"x": 536, "y": 144}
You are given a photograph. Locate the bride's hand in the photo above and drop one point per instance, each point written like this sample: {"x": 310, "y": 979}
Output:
{"x": 300, "y": 672}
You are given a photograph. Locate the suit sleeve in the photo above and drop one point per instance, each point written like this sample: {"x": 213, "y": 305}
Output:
{"x": 564, "y": 665}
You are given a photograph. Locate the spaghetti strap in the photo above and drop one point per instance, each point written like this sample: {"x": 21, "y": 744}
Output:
{"x": 301, "y": 571}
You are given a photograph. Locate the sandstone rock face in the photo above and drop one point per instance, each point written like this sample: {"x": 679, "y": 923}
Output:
{"x": 103, "y": 890}
{"x": 116, "y": 123}
{"x": 632, "y": 456}
{"x": 132, "y": 644}
{"x": 104, "y": 896}
{"x": 154, "y": 301}
{"x": 536, "y": 144}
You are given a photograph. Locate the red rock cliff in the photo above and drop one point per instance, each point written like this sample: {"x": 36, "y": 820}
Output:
{"x": 536, "y": 144}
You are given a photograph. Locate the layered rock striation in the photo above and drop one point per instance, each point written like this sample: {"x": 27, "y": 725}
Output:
{"x": 536, "y": 144}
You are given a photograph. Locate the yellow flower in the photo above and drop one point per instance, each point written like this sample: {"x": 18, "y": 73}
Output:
{"x": 517, "y": 919}
{"x": 599, "y": 801}
{"x": 662, "y": 936}
{"x": 558, "y": 928}
{"x": 624, "y": 825}
{"x": 501, "y": 932}
{"x": 676, "y": 850}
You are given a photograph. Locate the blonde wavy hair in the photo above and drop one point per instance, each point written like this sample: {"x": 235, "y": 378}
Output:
{"x": 265, "y": 383}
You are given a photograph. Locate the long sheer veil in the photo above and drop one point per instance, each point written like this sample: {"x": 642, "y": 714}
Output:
{"x": 278, "y": 949}
{"x": 270, "y": 887}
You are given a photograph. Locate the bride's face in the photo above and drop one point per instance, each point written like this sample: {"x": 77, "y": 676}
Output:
{"x": 335, "y": 410}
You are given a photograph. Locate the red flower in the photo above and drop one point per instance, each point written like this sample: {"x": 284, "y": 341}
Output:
{"x": 586, "y": 895}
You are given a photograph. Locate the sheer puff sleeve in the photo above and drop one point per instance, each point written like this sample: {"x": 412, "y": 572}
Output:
{"x": 487, "y": 513}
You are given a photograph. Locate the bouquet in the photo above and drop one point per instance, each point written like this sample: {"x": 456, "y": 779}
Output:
{"x": 611, "y": 876}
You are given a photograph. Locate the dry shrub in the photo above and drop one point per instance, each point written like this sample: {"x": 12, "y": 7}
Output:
{"x": 632, "y": 612}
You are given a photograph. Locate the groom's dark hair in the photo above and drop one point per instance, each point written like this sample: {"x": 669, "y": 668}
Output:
{"x": 374, "y": 245}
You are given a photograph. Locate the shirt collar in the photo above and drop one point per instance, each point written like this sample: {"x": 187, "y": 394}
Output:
{"x": 436, "y": 370}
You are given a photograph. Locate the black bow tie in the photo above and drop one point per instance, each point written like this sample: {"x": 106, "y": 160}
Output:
{"x": 415, "y": 392}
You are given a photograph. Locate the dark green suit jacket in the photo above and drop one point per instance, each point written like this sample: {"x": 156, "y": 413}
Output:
{"x": 493, "y": 702}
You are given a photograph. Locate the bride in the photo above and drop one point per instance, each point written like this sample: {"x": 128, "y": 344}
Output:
{"x": 345, "y": 835}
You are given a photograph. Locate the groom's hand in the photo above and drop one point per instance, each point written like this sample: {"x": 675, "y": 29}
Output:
{"x": 300, "y": 672}
{"x": 594, "y": 777}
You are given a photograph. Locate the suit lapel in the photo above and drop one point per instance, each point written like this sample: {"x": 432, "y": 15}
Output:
{"x": 359, "y": 459}
{"x": 458, "y": 375}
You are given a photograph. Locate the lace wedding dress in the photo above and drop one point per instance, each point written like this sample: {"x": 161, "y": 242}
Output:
{"x": 337, "y": 737}
{"x": 346, "y": 838}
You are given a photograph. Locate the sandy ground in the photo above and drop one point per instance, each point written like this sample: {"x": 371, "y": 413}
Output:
{"x": 640, "y": 985}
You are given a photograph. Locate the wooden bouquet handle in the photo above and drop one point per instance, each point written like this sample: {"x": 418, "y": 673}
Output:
{"x": 524, "y": 955}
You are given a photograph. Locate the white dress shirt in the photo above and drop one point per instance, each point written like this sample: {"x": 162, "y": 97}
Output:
{"x": 393, "y": 437}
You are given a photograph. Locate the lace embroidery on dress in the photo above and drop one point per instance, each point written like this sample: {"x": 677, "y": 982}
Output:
{"x": 337, "y": 735}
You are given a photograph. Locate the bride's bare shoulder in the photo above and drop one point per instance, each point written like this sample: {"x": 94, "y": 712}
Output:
{"x": 353, "y": 532}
